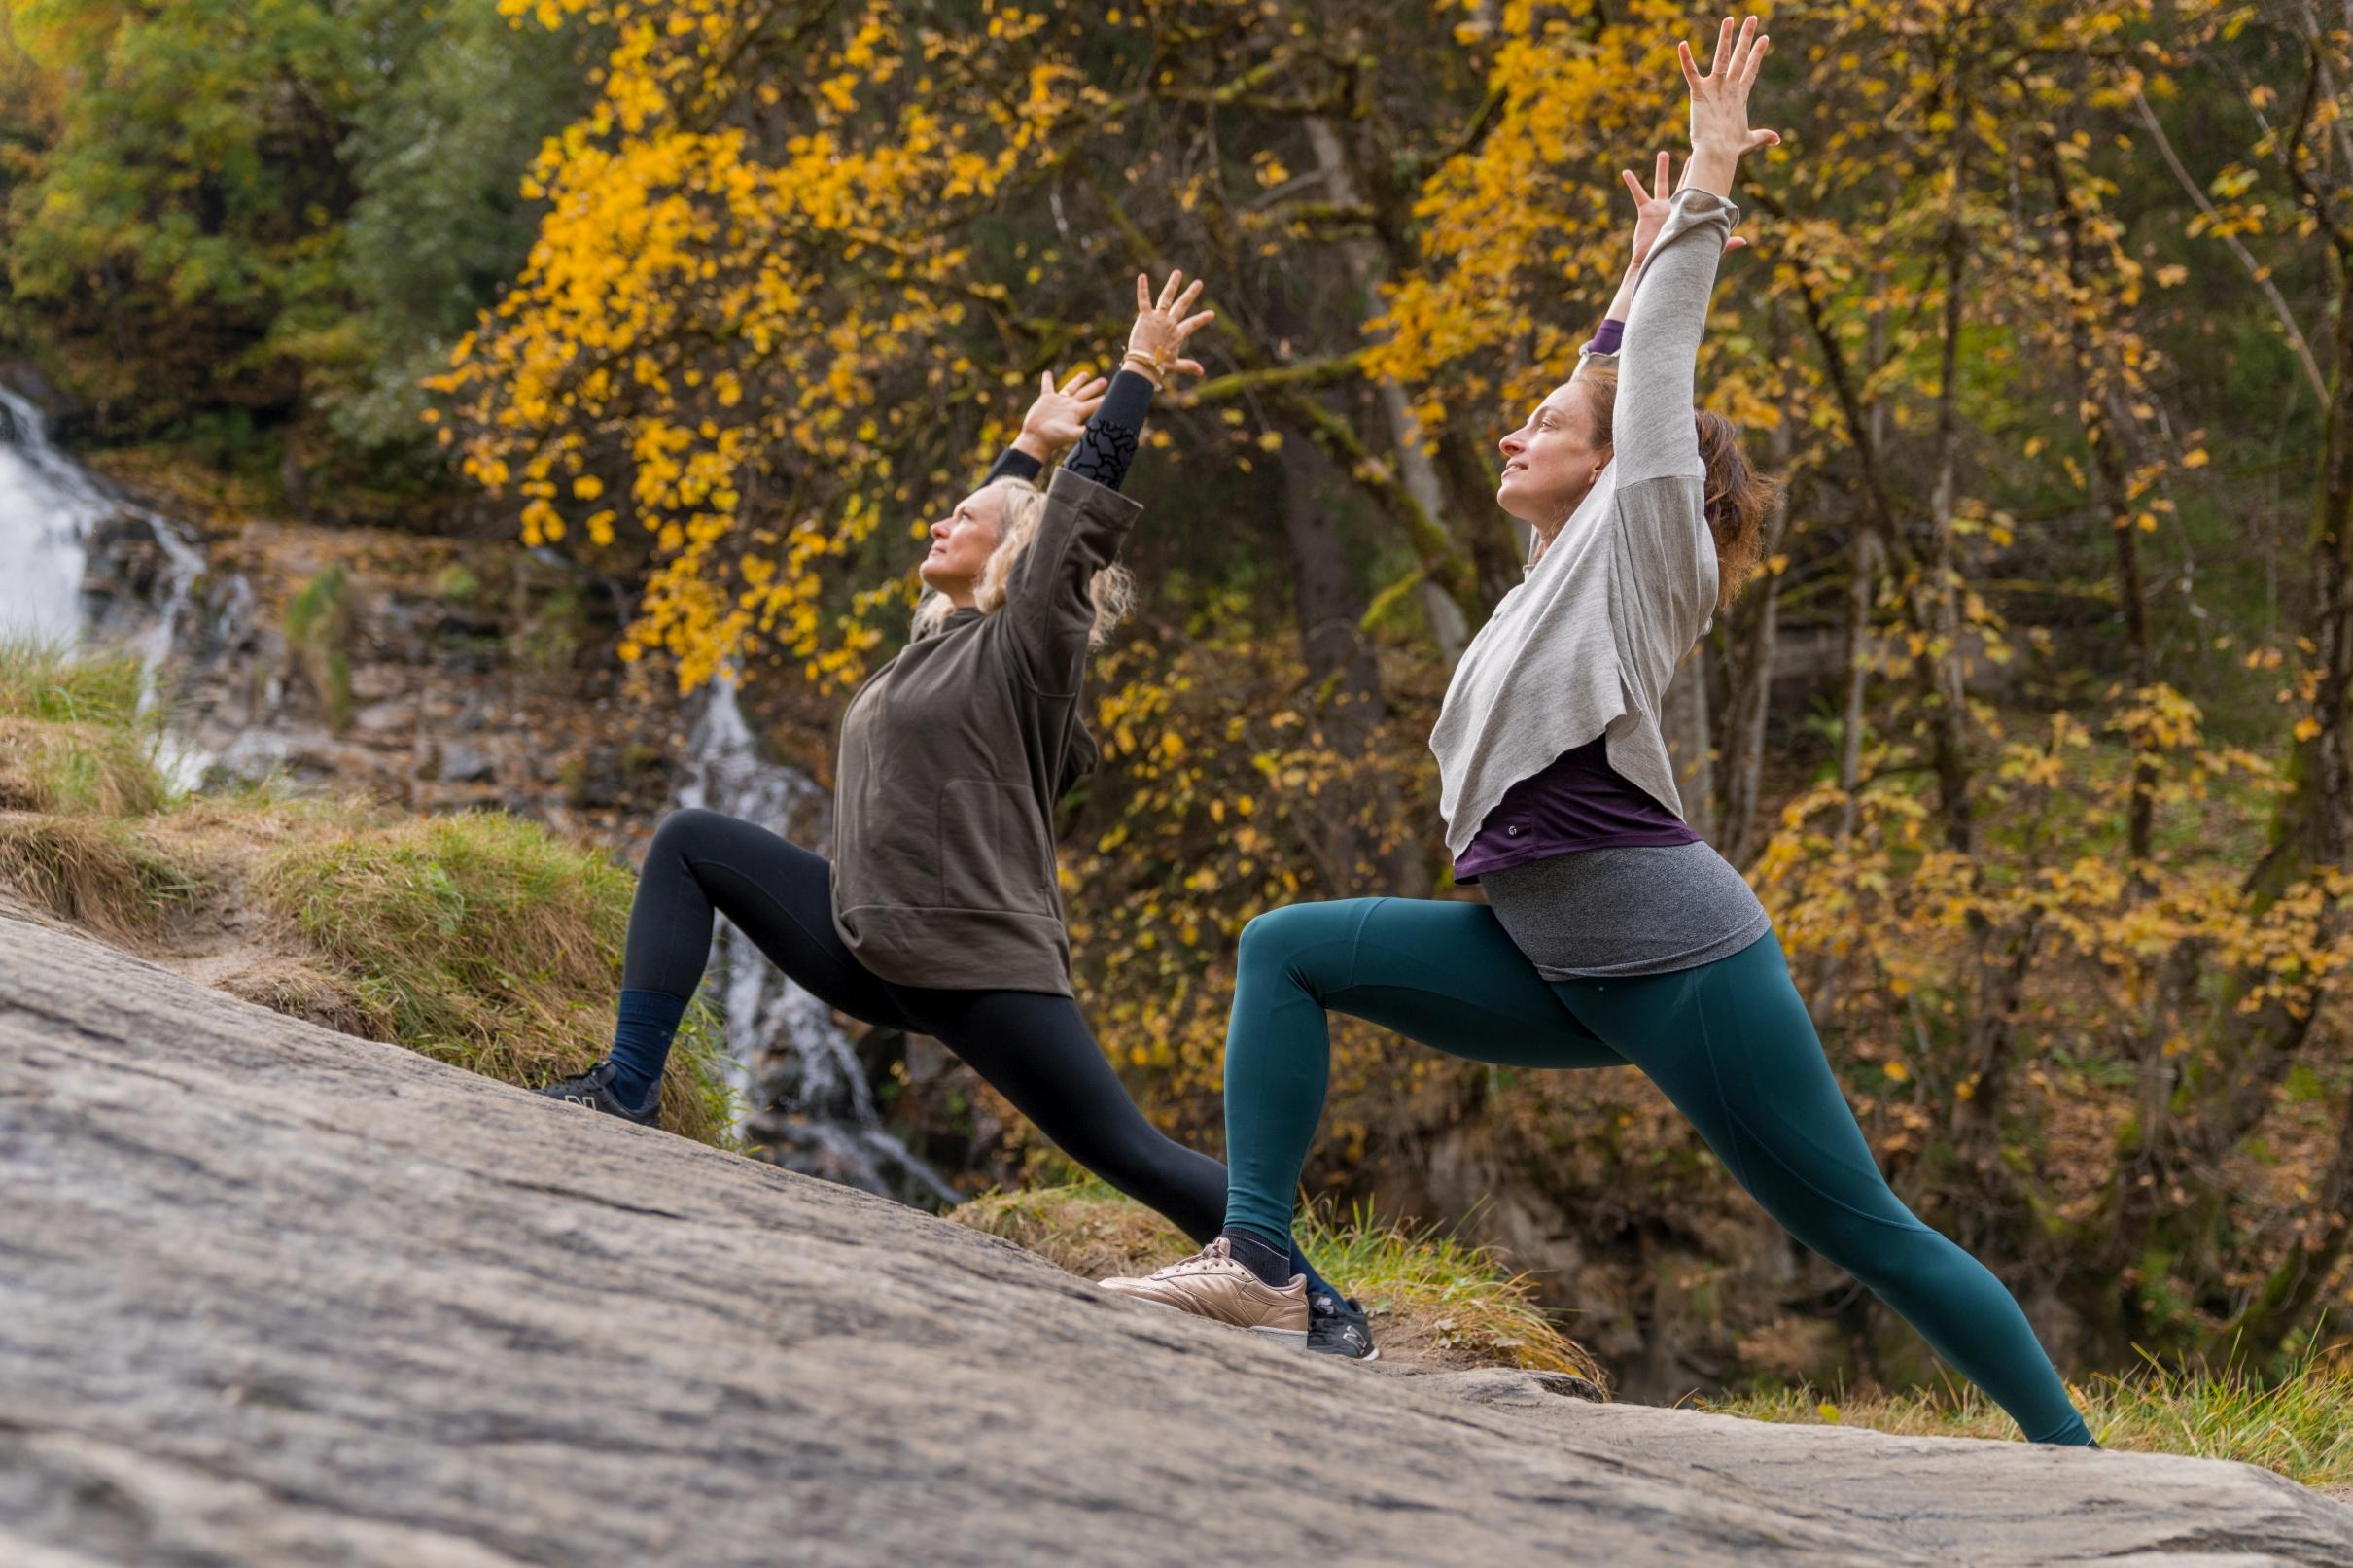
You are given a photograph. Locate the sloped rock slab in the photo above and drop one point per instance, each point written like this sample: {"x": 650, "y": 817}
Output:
{"x": 272, "y": 1295}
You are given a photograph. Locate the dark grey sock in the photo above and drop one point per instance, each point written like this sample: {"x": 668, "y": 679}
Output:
{"x": 1270, "y": 1261}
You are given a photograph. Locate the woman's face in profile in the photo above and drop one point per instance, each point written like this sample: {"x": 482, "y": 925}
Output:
{"x": 962, "y": 542}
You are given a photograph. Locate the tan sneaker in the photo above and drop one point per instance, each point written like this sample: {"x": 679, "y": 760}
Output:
{"x": 1211, "y": 1284}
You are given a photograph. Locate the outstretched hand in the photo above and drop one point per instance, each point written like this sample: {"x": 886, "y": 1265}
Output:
{"x": 1719, "y": 106}
{"x": 1059, "y": 415}
{"x": 1161, "y": 326}
{"x": 1651, "y": 207}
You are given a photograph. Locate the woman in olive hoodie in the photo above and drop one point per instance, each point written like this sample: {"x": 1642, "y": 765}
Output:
{"x": 941, "y": 912}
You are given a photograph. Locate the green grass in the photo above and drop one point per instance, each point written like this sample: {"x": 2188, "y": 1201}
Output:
{"x": 72, "y": 739}
{"x": 43, "y": 682}
{"x": 2301, "y": 1426}
{"x": 1435, "y": 1298}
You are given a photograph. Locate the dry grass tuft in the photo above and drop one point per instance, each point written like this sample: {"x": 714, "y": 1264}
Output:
{"x": 80, "y": 770}
{"x": 1435, "y": 1300}
{"x": 303, "y": 991}
{"x": 46, "y": 681}
{"x": 86, "y": 871}
{"x": 1085, "y": 1228}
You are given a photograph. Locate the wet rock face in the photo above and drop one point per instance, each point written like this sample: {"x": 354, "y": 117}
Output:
{"x": 272, "y": 1295}
{"x": 450, "y": 677}
{"x": 125, "y": 562}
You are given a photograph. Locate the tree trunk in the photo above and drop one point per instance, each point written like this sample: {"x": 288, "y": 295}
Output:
{"x": 1862, "y": 592}
{"x": 1360, "y": 165}
{"x": 1949, "y": 713}
{"x": 1344, "y": 673}
{"x": 2110, "y": 493}
{"x": 2310, "y": 827}
{"x": 1752, "y": 678}
{"x": 1683, "y": 718}
{"x": 1325, "y": 594}
{"x": 2237, "y": 1067}
{"x": 1449, "y": 628}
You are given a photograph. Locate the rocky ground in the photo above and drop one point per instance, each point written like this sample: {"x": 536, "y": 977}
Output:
{"x": 271, "y": 1294}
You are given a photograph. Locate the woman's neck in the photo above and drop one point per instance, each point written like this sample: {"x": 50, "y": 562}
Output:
{"x": 1548, "y": 531}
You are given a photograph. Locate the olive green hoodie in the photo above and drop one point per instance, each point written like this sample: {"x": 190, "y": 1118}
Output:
{"x": 953, "y": 755}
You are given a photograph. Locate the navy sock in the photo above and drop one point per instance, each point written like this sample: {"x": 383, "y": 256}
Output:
{"x": 641, "y": 1042}
{"x": 1270, "y": 1261}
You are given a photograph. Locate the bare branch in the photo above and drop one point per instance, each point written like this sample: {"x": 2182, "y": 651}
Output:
{"x": 2256, "y": 271}
{"x": 1307, "y": 373}
{"x": 2315, "y": 199}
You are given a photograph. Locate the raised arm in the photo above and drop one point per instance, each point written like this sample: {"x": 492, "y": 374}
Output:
{"x": 1655, "y": 437}
{"x": 1651, "y": 208}
{"x": 1049, "y": 596}
{"x": 1155, "y": 351}
{"x": 1657, "y": 366}
{"x": 1107, "y": 445}
{"x": 1054, "y": 421}
{"x": 1719, "y": 108}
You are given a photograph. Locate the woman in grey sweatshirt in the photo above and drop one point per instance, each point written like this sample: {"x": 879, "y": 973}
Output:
{"x": 1615, "y": 936}
{"x": 941, "y": 912}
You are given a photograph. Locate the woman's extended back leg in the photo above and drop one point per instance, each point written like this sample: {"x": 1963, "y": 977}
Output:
{"x": 1036, "y": 1050}
{"x": 1732, "y": 1045}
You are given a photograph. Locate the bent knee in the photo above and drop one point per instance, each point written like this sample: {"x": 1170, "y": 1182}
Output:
{"x": 1279, "y": 933}
{"x": 685, "y": 829}
{"x": 1284, "y": 940}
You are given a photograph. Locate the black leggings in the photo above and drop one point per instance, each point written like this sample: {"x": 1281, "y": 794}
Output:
{"x": 1032, "y": 1047}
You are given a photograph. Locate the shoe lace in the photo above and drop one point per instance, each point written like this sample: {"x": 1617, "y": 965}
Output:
{"x": 1208, "y": 1257}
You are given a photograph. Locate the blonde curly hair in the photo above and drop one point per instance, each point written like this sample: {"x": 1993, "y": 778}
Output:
{"x": 1023, "y": 506}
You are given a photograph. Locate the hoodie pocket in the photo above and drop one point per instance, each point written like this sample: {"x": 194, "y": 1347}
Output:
{"x": 993, "y": 853}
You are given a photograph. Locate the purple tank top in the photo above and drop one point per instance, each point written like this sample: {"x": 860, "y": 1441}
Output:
{"x": 1577, "y": 802}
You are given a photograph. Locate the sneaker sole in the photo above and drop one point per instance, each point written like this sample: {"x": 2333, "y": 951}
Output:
{"x": 1295, "y": 1337}
{"x": 1374, "y": 1354}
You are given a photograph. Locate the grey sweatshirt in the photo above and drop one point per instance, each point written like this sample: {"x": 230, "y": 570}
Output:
{"x": 1587, "y": 644}
{"x": 952, "y": 757}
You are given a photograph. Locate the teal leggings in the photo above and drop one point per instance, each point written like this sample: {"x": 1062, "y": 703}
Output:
{"x": 1729, "y": 1042}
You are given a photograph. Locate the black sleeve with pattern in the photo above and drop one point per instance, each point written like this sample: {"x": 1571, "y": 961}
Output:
{"x": 1108, "y": 445}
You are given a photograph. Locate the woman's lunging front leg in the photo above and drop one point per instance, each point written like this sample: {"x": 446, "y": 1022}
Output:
{"x": 1440, "y": 972}
{"x": 700, "y": 866}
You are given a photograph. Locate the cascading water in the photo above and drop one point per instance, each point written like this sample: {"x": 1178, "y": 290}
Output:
{"x": 49, "y": 511}
{"x": 816, "y": 1114}
{"x": 46, "y": 514}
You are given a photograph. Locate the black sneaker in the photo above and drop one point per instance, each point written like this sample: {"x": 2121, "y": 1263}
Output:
{"x": 594, "y": 1089}
{"x": 1336, "y": 1326}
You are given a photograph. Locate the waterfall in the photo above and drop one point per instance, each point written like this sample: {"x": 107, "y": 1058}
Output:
{"x": 50, "y": 511}
{"x": 799, "y": 1075}
{"x": 47, "y": 509}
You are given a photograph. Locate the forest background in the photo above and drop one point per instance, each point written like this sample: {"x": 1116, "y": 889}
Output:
{"x": 2034, "y": 736}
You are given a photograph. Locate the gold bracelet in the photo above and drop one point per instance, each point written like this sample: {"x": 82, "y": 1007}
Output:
{"x": 1148, "y": 366}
